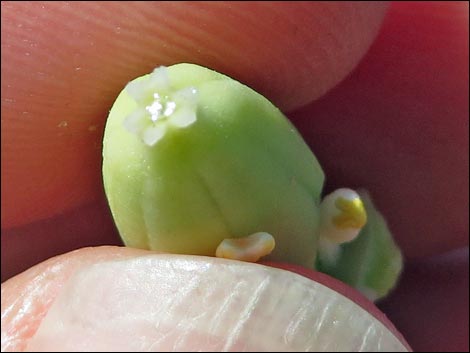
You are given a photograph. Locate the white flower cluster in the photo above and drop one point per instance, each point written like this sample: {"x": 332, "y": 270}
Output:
{"x": 159, "y": 106}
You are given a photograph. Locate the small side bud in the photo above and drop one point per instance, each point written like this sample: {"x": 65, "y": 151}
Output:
{"x": 250, "y": 248}
{"x": 342, "y": 216}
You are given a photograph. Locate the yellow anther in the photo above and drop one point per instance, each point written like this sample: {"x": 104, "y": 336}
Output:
{"x": 342, "y": 216}
{"x": 353, "y": 213}
{"x": 250, "y": 248}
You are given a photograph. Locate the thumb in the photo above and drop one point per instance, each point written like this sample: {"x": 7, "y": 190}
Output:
{"x": 189, "y": 303}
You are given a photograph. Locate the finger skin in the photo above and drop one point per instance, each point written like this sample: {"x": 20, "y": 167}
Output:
{"x": 398, "y": 126}
{"x": 29, "y": 296}
{"x": 63, "y": 64}
{"x": 26, "y": 298}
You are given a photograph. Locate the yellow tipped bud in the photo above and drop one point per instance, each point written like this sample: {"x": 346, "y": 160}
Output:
{"x": 342, "y": 216}
{"x": 353, "y": 214}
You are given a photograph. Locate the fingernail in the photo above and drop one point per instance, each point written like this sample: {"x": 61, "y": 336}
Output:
{"x": 190, "y": 303}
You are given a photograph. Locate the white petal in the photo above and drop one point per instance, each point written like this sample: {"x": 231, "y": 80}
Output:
{"x": 159, "y": 78}
{"x": 183, "y": 117}
{"x": 136, "y": 121}
{"x": 187, "y": 95}
{"x": 136, "y": 89}
{"x": 153, "y": 134}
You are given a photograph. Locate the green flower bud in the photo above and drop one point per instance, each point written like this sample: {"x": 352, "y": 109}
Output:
{"x": 371, "y": 263}
{"x": 195, "y": 162}
{"x": 192, "y": 157}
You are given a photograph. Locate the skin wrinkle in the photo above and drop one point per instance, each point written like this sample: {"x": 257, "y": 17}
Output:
{"x": 297, "y": 319}
{"x": 223, "y": 308}
{"x": 184, "y": 339}
{"x": 246, "y": 314}
{"x": 182, "y": 296}
{"x": 319, "y": 324}
{"x": 365, "y": 338}
{"x": 157, "y": 342}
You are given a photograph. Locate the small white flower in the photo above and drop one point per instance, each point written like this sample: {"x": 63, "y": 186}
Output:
{"x": 160, "y": 106}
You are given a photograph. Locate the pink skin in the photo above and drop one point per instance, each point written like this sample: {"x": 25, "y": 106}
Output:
{"x": 59, "y": 100}
{"x": 343, "y": 289}
{"x": 46, "y": 279}
{"x": 40, "y": 285}
{"x": 412, "y": 84}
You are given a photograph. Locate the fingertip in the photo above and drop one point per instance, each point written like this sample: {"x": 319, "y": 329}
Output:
{"x": 63, "y": 63}
{"x": 175, "y": 303}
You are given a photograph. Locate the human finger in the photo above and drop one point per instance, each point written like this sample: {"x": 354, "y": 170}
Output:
{"x": 63, "y": 64}
{"x": 177, "y": 302}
